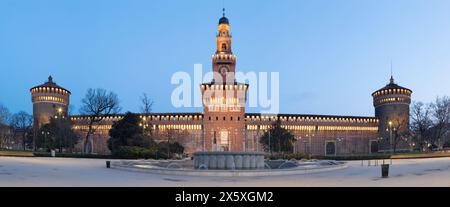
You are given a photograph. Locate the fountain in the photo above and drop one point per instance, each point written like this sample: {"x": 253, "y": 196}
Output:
{"x": 228, "y": 164}
{"x": 229, "y": 160}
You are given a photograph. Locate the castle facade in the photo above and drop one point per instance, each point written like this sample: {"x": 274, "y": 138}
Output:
{"x": 225, "y": 126}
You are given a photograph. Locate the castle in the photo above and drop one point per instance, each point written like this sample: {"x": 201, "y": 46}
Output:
{"x": 224, "y": 125}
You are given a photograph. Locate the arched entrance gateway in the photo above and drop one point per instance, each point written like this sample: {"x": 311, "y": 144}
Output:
{"x": 224, "y": 142}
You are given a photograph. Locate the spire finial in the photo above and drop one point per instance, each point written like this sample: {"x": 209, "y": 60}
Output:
{"x": 50, "y": 79}
{"x": 392, "y": 76}
{"x": 223, "y": 8}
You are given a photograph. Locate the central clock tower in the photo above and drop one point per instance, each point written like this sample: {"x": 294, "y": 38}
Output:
{"x": 224, "y": 62}
{"x": 224, "y": 98}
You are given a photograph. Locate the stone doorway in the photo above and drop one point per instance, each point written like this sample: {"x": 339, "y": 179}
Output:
{"x": 330, "y": 148}
{"x": 373, "y": 146}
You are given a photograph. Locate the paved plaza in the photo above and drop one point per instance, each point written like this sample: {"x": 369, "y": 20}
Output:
{"x": 32, "y": 171}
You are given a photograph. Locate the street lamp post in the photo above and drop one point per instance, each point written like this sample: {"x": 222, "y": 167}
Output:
{"x": 304, "y": 142}
{"x": 379, "y": 140}
{"x": 390, "y": 135}
{"x": 310, "y": 145}
{"x": 45, "y": 138}
{"x": 309, "y": 136}
{"x": 295, "y": 145}
{"x": 270, "y": 147}
{"x": 339, "y": 140}
{"x": 60, "y": 116}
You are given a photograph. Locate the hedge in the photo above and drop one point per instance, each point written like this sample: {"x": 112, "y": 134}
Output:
{"x": 73, "y": 155}
{"x": 135, "y": 153}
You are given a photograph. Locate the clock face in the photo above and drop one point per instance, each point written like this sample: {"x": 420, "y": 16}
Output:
{"x": 223, "y": 70}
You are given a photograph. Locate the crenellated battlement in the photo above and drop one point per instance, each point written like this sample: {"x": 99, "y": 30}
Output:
{"x": 49, "y": 89}
{"x": 298, "y": 118}
{"x": 224, "y": 58}
{"x": 221, "y": 86}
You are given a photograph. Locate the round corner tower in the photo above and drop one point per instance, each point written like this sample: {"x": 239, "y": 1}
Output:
{"x": 49, "y": 100}
{"x": 392, "y": 109}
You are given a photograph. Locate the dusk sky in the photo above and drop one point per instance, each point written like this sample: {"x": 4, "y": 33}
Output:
{"x": 331, "y": 54}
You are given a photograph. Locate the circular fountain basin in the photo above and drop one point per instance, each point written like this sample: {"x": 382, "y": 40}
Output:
{"x": 186, "y": 168}
{"x": 229, "y": 160}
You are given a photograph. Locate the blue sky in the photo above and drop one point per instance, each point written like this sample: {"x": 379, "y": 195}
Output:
{"x": 331, "y": 54}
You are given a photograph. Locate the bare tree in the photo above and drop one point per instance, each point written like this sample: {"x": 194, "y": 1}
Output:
{"x": 96, "y": 105}
{"x": 4, "y": 115}
{"x": 400, "y": 133}
{"x": 421, "y": 123}
{"x": 441, "y": 119}
{"x": 147, "y": 104}
{"x": 146, "y": 108}
{"x": 4, "y": 128}
{"x": 22, "y": 121}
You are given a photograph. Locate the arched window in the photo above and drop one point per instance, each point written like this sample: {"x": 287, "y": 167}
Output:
{"x": 224, "y": 46}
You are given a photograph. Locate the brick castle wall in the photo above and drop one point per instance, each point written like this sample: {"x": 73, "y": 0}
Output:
{"x": 350, "y": 135}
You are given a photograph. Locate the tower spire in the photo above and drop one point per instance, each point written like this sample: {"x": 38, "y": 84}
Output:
{"x": 392, "y": 76}
{"x": 223, "y": 8}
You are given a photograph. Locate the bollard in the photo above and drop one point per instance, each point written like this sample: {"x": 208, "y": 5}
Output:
{"x": 108, "y": 164}
{"x": 385, "y": 170}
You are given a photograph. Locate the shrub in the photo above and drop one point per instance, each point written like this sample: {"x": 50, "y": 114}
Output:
{"x": 72, "y": 155}
{"x": 287, "y": 156}
{"x": 127, "y": 152}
